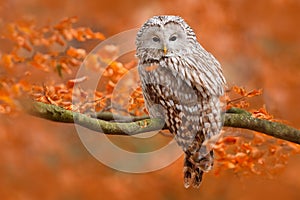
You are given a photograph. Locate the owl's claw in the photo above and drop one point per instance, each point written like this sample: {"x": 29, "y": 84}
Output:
{"x": 187, "y": 173}
{"x": 198, "y": 177}
{"x": 192, "y": 174}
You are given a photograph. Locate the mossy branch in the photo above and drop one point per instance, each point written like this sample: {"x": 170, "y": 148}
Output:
{"x": 59, "y": 114}
{"x": 103, "y": 122}
{"x": 244, "y": 119}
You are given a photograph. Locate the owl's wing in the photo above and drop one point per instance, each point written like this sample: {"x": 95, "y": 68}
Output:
{"x": 202, "y": 71}
{"x": 205, "y": 72}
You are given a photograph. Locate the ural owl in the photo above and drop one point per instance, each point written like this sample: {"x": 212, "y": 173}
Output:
{"x": 182, "y": 84}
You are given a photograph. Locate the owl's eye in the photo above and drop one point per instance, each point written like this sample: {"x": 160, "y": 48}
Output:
{"x": 156, "y": 39}
{"x": 173, "y": 38}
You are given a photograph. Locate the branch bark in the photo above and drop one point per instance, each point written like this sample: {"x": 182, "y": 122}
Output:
{"x": 59, "y": 114}
{"x": 234, "y": 117}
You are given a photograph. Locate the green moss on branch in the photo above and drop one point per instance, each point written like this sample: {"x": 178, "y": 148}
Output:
{"x": 234, "y": 117}
{"x": 56, "y": 113}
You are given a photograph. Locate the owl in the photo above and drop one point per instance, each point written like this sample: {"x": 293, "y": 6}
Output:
{"x": 182, "y": 84}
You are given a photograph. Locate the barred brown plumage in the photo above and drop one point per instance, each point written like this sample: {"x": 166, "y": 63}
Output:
{"x": 183, "y": 89}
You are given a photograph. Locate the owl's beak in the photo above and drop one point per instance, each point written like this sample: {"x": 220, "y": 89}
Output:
{"x": 165, "y": 50}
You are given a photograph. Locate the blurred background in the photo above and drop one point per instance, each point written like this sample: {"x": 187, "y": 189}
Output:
{"x": 258, "y": 45}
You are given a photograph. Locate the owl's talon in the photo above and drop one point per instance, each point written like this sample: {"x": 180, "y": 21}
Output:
{"x": 187, "y": 177}
{"x": 187, "y": 182}
{"x": 188, "y": 173}
{"x": 198, "y": 178}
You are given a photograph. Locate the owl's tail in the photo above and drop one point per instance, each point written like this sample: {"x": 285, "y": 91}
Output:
{"x": 194, "y": 166}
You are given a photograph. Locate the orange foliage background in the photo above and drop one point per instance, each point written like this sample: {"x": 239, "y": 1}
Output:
{"x": 258, "y": 44}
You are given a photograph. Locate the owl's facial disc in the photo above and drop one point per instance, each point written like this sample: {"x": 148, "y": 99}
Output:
{"x": 168, "y": 39}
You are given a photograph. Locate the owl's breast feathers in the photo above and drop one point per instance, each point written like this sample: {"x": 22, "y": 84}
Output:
{"x": 187, "y": 107}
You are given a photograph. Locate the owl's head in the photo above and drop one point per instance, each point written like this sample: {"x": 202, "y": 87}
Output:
{"x": 164, "y": 36}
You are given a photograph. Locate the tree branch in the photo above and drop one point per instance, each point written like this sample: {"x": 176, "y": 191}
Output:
{"x": 244, "y": 119}
{"x": 59, "y": 114}
{"x": 102, "y": 122}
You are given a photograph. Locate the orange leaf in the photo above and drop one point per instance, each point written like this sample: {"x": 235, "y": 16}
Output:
{"x": 58, "y": 39}
{"x": 99, "y": 36}
{"x": 5, "y": 109}
{"x": 76, "y": 53}
{"x": 229, "y": 140}
{"x": 7, "y": 60}
{"x": 262, "y": 114}
{"x": 239, "y": 90}
{"x": 72, "y": 82}
{"x": 67, "y": 33}
{"x": 66, "y": 23}
{"x": 254, "y": 93}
